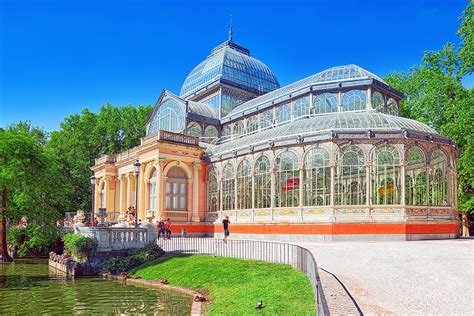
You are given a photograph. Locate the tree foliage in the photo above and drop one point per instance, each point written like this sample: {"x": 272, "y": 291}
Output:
{"x": 435, "y": 95}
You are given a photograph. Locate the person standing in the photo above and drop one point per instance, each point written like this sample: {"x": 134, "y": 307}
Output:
{"x": 160, "y": 227}
{"x": 226, "y": 223}
{"x": 168, "y": 228}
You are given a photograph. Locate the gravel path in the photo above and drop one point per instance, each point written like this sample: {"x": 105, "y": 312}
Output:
{"x": 403, "y": 278}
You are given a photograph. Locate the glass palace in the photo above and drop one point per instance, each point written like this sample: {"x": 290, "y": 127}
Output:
{"x": 325, "y": 158}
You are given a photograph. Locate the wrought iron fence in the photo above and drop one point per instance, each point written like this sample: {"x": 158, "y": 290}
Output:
{"x": 276, "y": 252}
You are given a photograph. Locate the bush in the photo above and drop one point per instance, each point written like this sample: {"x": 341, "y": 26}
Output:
{"x": 32, "y": 240}
{"x": 134, "y": 259}
{"x": 79, "y": 246}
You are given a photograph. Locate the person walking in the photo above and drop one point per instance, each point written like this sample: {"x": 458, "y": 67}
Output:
{"x": 168, "y": 228}
{"x": 226, "y": 223}
{"x": 160, "y": 227}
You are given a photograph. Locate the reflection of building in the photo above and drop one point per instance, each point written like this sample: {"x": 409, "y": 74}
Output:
{"x": 326, "y": 157}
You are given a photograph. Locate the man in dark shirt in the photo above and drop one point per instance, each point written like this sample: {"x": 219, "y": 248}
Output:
{"x": 226, "y": 223}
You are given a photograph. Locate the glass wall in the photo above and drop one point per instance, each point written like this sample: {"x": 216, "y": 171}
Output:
{"x": 317, "y": 178}
{"x": 301, "y": 107}
{"x": 325, "y": 103}
{"x": 350, "y": 187}
{"x": 438, "y": 179}
{"x": 244, "y": 185}
{"x": 415, "y": 177}
{"x": 266, "y": 118}
{"x": 392, "y": 107}
{"x": 287, "y": 180}
{"x": 194, "y": 129}
{"x": 211, "y": 131}
{"x": 153, "y": 195}
{"x": 168, "y": 117}
{"x": 354, "y": 100}
{"x": 228, "y": 188}
{"x": 212, "y": 191}
{"x": 252, "y": 124}
{"x": 378, "y": 102}
{"x": 283, "y": 113}
{"x": 263, "y": 183}
{"x": 386, "y": 176}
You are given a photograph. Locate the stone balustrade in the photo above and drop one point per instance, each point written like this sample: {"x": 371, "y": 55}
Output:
{"x": 119, "y": 238}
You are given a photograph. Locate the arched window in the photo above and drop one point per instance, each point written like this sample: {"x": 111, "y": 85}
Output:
{"x": 317, "y": 178}
{"x": 439, "y": 179}
{"x": 168, "y": 117}
{"x": 176, "y": 191}
{"x": 415, "y": 178}
{"x": 377, "y": 101}
{"x": 386, "y": 176}
{"x": 392, "y": 107}
{"x": 351, "y": 177}
{"x": 354, "y": 100}
{"x": 239, "y": 128}
{"x": 194, "y": 129}
{"x": 266, "y": 118}
{"x": 244, "y": 185}
{"x": 263, "y": 183}
{"x": 283, "y": 113}
{"x": 212, "y": 191}
{"x": 153, "y": 194}
{"x": 287, "y": 180}
{"x": 228, "y": 188}
{"x": 252, "y": 124}
{"x": 210, "y": 131}
{"x": 325, "y": 103}
{"x": 301, "y": 107}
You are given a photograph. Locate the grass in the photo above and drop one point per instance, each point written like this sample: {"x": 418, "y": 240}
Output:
{"x": 236, "y": 285}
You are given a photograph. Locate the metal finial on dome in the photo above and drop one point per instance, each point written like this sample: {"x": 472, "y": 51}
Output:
{"x": 230, "y": 29}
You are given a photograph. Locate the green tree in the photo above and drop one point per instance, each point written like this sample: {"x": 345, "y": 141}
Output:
{"x": 434, "y": 94}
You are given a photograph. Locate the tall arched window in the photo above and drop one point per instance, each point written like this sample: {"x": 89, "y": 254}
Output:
{"x": 283, "y": 113}
{"x": 252, "y": 124}
{"x": 263, "y": 183}
{"x": 415, "y": 177}
{"x": 386, "y": 176}
{"x": 301, "y": 107}
{"x": 244, "y": 185}
{"x": 176, "y": 190}
{"x": 153, "y": 194}
{"x": 392, "y": 107}
{"x": 377, "y": 101}
{"x": 354, "y": 100}
{"x": 168, "y": 117}
{"x": 266, "y": 118}
{"x": 317, "y": 178}
{"x": 212, "y": 191}
{"x": 194, "y": 129}
{"x": 439, "y": 179}
{"x": 227, "y": 131}
{"x": 325, "y": 103}
{"x": 287, "y": 180}
{"x": 228, "y": 188}
{"x": 351, "y": 177}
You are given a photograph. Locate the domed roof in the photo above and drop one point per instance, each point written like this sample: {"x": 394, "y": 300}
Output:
{"x": 323, "y": 125}
{"x": 231, "y": 64}
{"x": 338, "y": 73}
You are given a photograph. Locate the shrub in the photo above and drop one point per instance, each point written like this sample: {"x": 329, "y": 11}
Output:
{"x": 32, "y": 240}
{"x": 79, "y": 246}
{"x": 134, "y": 259}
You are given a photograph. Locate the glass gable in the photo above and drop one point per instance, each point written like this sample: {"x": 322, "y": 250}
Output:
{"x": 168, "y": 117}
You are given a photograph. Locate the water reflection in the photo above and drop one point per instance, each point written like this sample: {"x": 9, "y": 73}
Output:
{"x": 28, "y": 287}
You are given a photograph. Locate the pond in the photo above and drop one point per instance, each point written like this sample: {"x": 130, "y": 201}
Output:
{"x": 31, "y": 287}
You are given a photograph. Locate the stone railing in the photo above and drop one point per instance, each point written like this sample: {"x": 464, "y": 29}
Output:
{"x": 119, "y": 238}
{"x": 170, "y": 137}
{"x": 105, "y": 159}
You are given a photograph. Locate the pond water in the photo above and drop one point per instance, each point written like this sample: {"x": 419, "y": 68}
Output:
{"x": 31, "y": 287}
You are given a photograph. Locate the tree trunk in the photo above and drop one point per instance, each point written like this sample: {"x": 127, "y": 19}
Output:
{"x": 4, "y": 256}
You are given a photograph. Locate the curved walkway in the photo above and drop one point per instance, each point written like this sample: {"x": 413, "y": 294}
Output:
{"x": 415, "y": 277}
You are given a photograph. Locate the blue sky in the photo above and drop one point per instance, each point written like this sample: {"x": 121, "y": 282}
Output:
{"x": 57, "y": 57}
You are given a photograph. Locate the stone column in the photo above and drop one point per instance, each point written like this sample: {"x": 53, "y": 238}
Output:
{"x": 106, "y": 189}
{"x": 159, "y": 188}
{"x": 120, "y": 181}
{"x": 196, "y": 168}
{"x": 129, "y": 192}
{"x": 147, "y": 194}
{"x": 190, "y": 201}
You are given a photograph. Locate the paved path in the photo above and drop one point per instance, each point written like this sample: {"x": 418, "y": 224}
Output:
{"x": 402, "y": 278}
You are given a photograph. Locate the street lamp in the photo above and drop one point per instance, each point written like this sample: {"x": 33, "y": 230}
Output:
{"x": 93, "y": 197}
{"x": 136, "y": 169}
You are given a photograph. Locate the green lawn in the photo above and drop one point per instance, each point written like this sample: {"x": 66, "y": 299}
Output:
{"x": 236, "y": 285}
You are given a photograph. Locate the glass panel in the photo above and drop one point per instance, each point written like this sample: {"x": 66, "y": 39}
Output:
{"x": 317, "y": 178}
{"x": 354, "y": 100}
{"x": 392, "y": 107}
{"x": 168, "y": 117}
{"x": 350, "y": 188}
{"x": 283, "y": 113}
{"x": 287, "y": 181}
{"x": 194, "y": 129}
{"x": 301, "y": 107}
{"x": 415, "y": 185}
{"x": 386, "y": 176}
{"x": 266, "y": 118}
{"x": 325, "y": 103}
{"x": 377, "y": 101}
{"x": 252, "y": 124}
{"x": 228, "y": 188}
{"x": 263, "y": 186}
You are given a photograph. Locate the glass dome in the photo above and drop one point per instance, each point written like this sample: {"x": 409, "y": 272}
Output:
{"x": 231, "y": 64}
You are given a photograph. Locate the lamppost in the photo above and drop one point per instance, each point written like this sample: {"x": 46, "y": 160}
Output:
{"x": 136, "y": 168}
{"x": 93, "y": 199}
